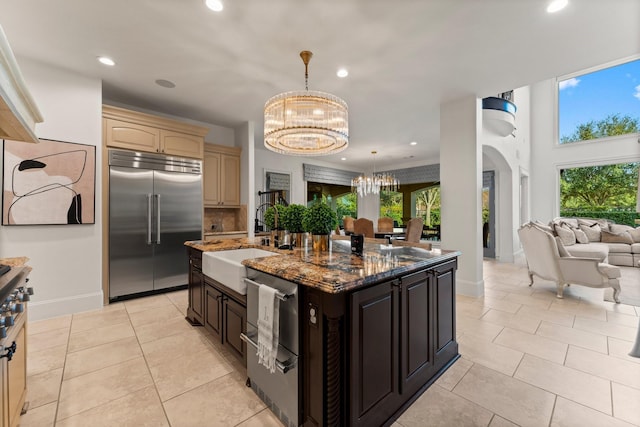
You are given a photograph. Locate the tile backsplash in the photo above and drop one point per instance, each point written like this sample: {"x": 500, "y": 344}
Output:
{"x": 225, "y": 219}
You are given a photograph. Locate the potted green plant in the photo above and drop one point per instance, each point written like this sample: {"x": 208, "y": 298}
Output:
{"x": 292, "y": 221}
{"x": 319, "y": 220}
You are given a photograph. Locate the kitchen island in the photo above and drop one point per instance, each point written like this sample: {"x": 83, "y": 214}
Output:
{"x": 375, "y": 331}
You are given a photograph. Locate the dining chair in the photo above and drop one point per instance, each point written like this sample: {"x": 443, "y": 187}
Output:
{"x": 414, "y": 230}
{"x": 385, "y": 224}
{"x": 363, "y": 226}
{"x": 347, "y": 222}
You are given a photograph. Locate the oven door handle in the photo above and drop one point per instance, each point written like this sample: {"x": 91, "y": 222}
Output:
{"x": 281, "y": 296}
{"x": 282, "y": 367}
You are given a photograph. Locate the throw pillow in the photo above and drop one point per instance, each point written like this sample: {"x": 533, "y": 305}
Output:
{"x": 561, "y": 249}
{"x": 635, "y": 234}
{"x": 581, "y": 236}
{"x": 543, "y": 226}
{"x": 608, "y": 237}
{"x": 566, "y": 234}
{"x": 586, "y": 221}
{"x": 619, "y": 228}
{"x": 593, "y": 232}
{"x": 571, "y": 222}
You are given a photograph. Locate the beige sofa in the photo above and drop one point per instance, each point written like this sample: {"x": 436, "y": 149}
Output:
{"x": 599, "y": 238}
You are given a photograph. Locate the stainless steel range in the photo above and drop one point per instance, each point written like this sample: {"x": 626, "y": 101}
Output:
{"x": 279, "y": 391}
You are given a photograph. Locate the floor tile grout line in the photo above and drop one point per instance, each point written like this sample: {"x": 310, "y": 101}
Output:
{"x": 146, "y": 362}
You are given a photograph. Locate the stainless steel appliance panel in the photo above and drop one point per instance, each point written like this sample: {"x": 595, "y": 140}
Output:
{"x": 155, "y": 206}
{"x": 177, "y": 207}
{"x": 130, "y": 246}
{"x": 288, "y": 333}
{"x": 279, "y": 390}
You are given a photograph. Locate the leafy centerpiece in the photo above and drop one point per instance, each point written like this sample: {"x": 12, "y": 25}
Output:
{"x": 319, "y": 220}
{"x": 292, "y": 221}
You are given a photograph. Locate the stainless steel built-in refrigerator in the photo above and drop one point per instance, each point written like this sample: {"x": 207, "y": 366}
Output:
{"x": 155, "y": 205}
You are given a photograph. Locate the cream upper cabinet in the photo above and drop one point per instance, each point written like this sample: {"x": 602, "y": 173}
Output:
{"x": 131, "y": 136}
{"x": 221, "y": 185}
{"x": 230, "y": 182}
{"x": 211, "y": 178}
{"x": 181, "y": 144}
{"x": 132, "y": 130}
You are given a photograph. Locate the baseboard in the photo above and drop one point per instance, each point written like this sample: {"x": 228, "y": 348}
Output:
{"x": 39, "y": 310}
{"x": 472, "y": 289}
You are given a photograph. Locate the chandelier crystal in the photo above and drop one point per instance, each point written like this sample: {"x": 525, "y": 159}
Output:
{"x": 374, "y": 183}
{"x": 306, "y": 123}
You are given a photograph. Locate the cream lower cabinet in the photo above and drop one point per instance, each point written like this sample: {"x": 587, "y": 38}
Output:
{"x": 221, "y": 176}
{"x": 13, "y": 375}
{"x": 132, "y": 130}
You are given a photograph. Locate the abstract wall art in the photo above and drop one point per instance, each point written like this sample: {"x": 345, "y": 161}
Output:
{"x": 52, "y": 182}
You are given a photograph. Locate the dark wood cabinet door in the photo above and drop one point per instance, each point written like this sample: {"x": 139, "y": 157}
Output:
{"x": 234, "y": 323}
{"x": 444, "y": 298}
{"x": 374, "y": 364}
{"x": 213, "y": 312}
{"x": 195, "y": 311}
{"x": 196, "y": 291}
{"x": 416, "y": 332}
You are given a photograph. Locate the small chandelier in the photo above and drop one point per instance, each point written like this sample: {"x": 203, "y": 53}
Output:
{"x": 375, "y": 183}
{"x": 306, "y": 123}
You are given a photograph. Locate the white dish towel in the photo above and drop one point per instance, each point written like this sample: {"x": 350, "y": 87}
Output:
{"x": 268, "y": 326}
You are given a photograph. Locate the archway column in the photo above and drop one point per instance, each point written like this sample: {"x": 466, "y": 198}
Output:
{"x": 461, "y": 189}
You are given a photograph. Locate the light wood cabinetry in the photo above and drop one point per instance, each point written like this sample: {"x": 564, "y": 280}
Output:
{"x": 132, "y": 130}
{"x": 16, "y": 374}
{"x": 221, "y": 176}
{"x": 13, "y": 353}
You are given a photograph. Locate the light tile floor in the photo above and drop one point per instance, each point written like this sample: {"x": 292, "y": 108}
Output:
{"x": 528, "y": 359}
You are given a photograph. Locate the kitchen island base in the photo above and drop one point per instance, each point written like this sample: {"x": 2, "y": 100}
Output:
{"x": 374, "y": 332}
{"x": 368, "y": 354}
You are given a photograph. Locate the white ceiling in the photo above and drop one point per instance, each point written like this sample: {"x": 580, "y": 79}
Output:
{"x": 405, "y": 57}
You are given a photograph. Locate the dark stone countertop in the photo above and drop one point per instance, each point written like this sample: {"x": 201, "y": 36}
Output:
{"x": 337, "y": 270}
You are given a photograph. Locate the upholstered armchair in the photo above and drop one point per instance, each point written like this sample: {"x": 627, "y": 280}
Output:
{"x": 547, "y": 258}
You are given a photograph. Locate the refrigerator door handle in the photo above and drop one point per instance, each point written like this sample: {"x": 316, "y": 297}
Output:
{"x": 148, "y": 219}
{"x": 157, "y": 196}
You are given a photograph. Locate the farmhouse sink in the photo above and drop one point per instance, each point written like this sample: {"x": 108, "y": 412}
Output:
{"x": 225, "y": 267}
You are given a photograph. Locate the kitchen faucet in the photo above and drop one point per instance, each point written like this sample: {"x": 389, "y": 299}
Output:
{"x": 275, "y": 219}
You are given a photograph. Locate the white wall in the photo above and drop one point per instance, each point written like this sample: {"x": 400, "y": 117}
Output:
{"x": 461, "y": 189}
{"x": 509, "y": 157}
{"x": 547, "y": 157}
{"x": 66, "y": 259}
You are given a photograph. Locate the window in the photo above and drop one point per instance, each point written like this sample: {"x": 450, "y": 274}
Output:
{"x": 391, "y": 205}
{"x": 600, "y": 104}
{"x": 339, "y": 197}
{"x": 606, "y": 191}
{"x": 428, "y": 205}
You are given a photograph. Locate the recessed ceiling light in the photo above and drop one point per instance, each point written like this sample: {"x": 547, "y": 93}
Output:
{"x": 342, "y": 73}
{"x": 343, "y": 158}
{"x": 557, "y": 5}
{"x": 413, "y": 143}
{"x": 215, "y": 5}
{"x": 165, "y": 83}
{"x": 106, "y": 61}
